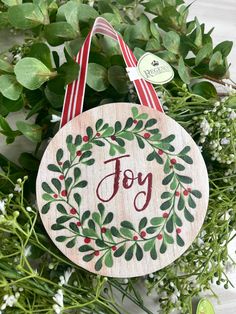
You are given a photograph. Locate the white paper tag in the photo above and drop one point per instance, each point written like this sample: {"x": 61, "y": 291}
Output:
{"x": 154, "y": 70}
{"x": 133, "y": 73}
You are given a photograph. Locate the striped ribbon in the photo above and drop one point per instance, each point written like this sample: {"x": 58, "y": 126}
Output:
{"x": 74, "y": 97}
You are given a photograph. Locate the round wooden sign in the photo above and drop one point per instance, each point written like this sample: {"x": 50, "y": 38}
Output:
{"x": 122, "y": 190}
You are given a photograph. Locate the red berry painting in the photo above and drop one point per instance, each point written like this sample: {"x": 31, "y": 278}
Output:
{"x": 109, "y": 206}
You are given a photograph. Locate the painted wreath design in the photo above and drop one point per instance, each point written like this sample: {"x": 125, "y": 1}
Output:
{"x": 102, "y": 240}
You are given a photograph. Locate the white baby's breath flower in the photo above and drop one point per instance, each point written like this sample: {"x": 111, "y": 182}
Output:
{"x": 2, "y": 206}
{"x": 56, "y": 308}
{"x": 67, "y": 274}
{"x": 17, "y": 188}
{"x": 232, "y": 115}
{"x": 91, "y": 3}
{"x": 200, "y": 148}
{"x": 55, "y": 118}
{"x": 200, "y": 242}
{"x": 58, "y": 297}
{"x": 9, "y": 300}
{"x": 205, "y": 127}
{"x": 29, "y": 209}
{"x": 174, "y": 297}
{"x": 229, "y": 267}
{"x": 224, "y": 141}
{"x": 27, "y": 251}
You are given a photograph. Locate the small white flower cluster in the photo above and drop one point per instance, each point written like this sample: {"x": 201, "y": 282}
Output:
{"x": 228, "y": 173}
{"x": 205, "y": 129}
{"x": 2, "y": 207}
{"x": 27, "y": 251}
{"x": 91, "y": 3}
{"x": 65, "y": 278}
{"x": 175, "y": 295}
{"x": 18, "y": 186}
{"x": 229, "y": 267}
{"x": 217, "y": 132}
{"x": 231, "y": 91}
{"x": 193, "y": 283}
{"x": 55, "y": 118}
{"x": 9, "y": 300}
{"x": 3, "y": 203}
{"x": 59, "y": 299}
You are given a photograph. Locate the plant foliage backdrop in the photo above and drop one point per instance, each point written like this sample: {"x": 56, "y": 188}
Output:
{"x": 34, "y": 276}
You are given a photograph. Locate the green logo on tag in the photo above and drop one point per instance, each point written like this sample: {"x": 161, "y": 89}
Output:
{"x": 154, "y": 70}
{"x": 205, "y": 307}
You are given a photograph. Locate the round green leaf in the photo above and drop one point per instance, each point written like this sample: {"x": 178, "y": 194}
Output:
{"x": 97, "y": 77}
{"x": 6, "y": 66}
{"x": 203, "y": 53}
{"x": 59, "y": 32}
{"x": 216, "y": 60}
{"x": 171, "y": 42}
{"x": 182, "y": 70}
{"x": 225, "y": 47}
{"x": 31, "y": 131}
{"x": 9, "y": 87}
{"x": 125, "y": 2}
{"x": 31, "y": 73}
{"x": 118, "y": 79}
{"x": 11, "y": 2}
{"x": 41, "y": 52}
{"x": 205, "y": 89}
{"x": 25, "y": 16}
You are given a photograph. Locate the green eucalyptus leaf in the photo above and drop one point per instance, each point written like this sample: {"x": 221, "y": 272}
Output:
{"x": 6, "y": 66}
{"x": 69, "y": 12}
{"x": 10, "y": 3}
{"x": 153, "y": 44}
{"x": 182, "y": 70}
{"x": 154, "y": 30}
{"x": 171, "y": 41}
{"x": 41, "y": 51}
{"x": 59, "y": 32}
{"x": 138, "y": 34}
{"x": 31, "y": 131}
{"x": 69, "y": 71}
{"x": 118, "y": 79}
{"x": 205, "y": 89}
{"x": 9, "y": 87}
{"x": 216, "y": 60}
{"x": 86, "y": 13}
{"x": 97, "y": 77}
{"x": 125, "y": 2}
{"x": 32, "y": 73}
{"x": 7, "y": 105}
{"x": 168, "y": 56}
{"x": 29, "y": 162}
{"x": 203, "y": 53}
{"x": 25, "y": 16}
{"x": 224, "y": 48}
{"x": 198, "y": 34}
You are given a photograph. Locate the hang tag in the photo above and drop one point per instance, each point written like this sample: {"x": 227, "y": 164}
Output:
{"x": 205, "y": 307}
{"x": 133, "y": 73}
{"x": 154, "y": 70}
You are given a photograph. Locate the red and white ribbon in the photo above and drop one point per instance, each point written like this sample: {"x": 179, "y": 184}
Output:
{"x": 74, "y": 97}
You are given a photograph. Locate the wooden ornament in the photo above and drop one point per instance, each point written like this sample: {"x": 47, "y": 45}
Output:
{"x": 122, "y": 190}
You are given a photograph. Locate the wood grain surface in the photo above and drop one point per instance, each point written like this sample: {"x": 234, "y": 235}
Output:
{"x": 156, "y": 189}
